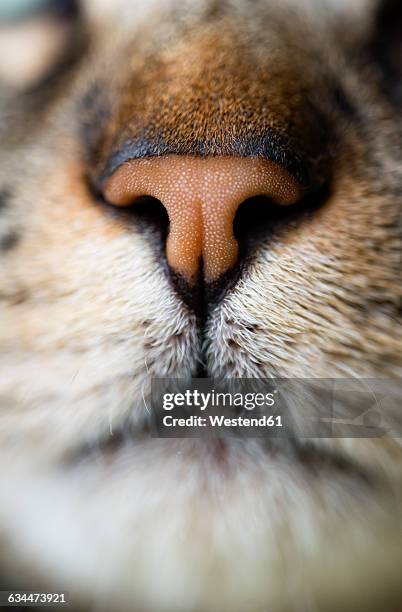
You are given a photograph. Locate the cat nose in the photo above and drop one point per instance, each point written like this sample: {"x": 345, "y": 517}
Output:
{"x": 201, "y": 197}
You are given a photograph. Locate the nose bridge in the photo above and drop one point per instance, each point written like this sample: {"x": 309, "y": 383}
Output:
{"x": 201, "y": 197}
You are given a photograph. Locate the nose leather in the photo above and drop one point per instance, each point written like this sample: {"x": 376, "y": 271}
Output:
{"x": 201, "y": 197}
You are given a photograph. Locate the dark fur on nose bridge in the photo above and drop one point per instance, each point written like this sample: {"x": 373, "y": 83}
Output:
{"x": 268, "y": 146}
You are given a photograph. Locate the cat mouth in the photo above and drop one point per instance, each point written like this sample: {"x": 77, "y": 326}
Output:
{"x": 315, "y": 457}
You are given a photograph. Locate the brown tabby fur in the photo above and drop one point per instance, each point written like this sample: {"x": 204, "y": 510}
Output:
{"x": 89, "y": 314}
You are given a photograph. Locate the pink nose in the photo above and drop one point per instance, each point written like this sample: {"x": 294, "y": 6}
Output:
{"x": 201, "y": 197}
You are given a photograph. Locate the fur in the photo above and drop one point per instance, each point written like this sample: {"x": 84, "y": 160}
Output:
{"x": 88, "y": 315}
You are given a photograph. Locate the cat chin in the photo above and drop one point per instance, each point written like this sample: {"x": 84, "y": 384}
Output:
{"x": 220, "y": 525}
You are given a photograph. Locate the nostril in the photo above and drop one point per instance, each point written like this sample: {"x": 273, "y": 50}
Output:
{"x": 148, "y": 213}
{"x": 260, "y": 217}
{"x": 255, "y": 219}
{"x": 258, "y": 214}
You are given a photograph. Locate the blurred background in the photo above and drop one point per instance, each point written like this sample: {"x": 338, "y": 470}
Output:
{"x": 34, "y": 35}
{"x": 11, "y": 10}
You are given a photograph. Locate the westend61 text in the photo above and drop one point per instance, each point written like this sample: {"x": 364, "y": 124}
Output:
{"x": 222, "y": 421}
